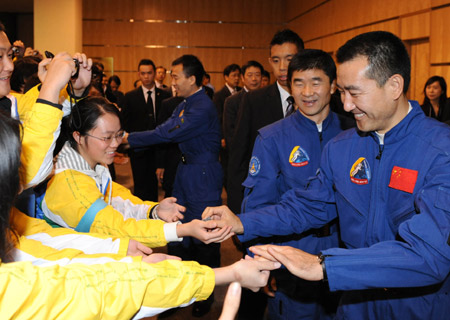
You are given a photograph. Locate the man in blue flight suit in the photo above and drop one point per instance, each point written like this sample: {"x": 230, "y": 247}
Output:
{"x": 286, "y": 154}
{"x": 194, "y": 125}
{"x": 390, "y": 180}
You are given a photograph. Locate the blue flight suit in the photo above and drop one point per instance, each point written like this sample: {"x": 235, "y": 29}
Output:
{"x": 194, "y": 125}
{"x": 393, "y": 203}
{"x": 286, "y": 154}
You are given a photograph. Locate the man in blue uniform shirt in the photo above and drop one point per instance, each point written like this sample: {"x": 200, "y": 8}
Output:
{"x": 194, "y": 125}
{"x": 390, "y": 180}
{"x": 286, "y": 154}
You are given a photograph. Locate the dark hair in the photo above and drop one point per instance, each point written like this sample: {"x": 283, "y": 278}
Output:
{"x": 207, "y": 76}
{"x": 309, "y": 59}
{"x": 136, "y": 82}
{"x": 85, "y": 114}
{"x": 10, "y": 183}
{"x": 24, "y": 68}
{"x": 146, "y": 62}
{"x": 287, "y": 36}
{"x": 252, "y": 63}
{"x": 2, "y": 27}
{"x": 161, "y": 67}
{"x": 231, "y": 68}
{"x": 114, "y": 78}
{"x": 266, "y": 73}
{"x": 386, "y": 55}
{"x": 442, "y": 97}
{"x": 191, "y": 67}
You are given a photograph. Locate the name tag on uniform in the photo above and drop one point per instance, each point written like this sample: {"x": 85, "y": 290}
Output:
{"x": 403, "y": 179}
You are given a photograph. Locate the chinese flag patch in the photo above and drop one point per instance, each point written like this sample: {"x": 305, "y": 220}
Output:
{"x": 403, "y": 179}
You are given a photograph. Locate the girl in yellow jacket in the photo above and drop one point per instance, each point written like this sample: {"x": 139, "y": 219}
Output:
{"x": 104, "y": 287}
{"x": 82, "y": 196}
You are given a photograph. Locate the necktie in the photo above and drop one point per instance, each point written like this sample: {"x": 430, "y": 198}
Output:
{"x": 151, "y": 113}
{"x": 290, "y": 108}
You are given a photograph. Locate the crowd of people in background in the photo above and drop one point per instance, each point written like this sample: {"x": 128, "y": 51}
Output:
{"x": 280, "y": 149}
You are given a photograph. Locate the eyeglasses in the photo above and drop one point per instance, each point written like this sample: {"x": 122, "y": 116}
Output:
{"x": 108, "y": 140}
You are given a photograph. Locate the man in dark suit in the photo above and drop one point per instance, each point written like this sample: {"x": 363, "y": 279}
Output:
{"x": 259, "y": 109}
{"x": 141, "y": 109}
{"x": 251, "y": 78}
{"x": 231, "y": 75}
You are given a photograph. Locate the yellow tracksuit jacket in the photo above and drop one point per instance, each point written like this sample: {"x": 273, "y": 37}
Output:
{"x": 76, "y": 191}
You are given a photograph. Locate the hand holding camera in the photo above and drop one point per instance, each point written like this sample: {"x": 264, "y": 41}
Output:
{"x": 57, "y": 71}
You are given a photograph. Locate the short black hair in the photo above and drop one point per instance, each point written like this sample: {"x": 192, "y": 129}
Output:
{"x": 192, "y": 66}
{"x": 266, "y": 73}
{"x": 252, "y": 63}
{"x": 309, "y": 59}
{"x": 231, "y": 68}
{"x": 386, "y": 55}
{"x": 24, "y": 69}
{"x": 114, "y": 78}
{"x": 146, "y": 62}
{"x": 2, "y": 27}
{"x": 287, "y": 36}
{"x": 161, "y": 67}
{"x": 207, "y": 76}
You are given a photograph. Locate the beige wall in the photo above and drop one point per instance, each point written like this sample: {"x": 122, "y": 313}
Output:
{"x": 218, "y": 32}
{"x": 424, "y": 25}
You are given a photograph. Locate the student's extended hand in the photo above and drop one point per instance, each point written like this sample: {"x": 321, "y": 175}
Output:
{"x": 169, "y": 210}
{"x": 300, "y": 263}
{"x": 135, "y": 248}
{"x": 158, "y": 257}
{"x": 224, "y": 217}
{"x": 205, "y": 231}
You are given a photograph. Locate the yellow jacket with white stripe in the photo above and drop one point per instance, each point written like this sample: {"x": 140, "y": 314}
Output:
{"x": 41, "y": 127}
{"x": 111, "y": 290}
{"x": 87, "y": 200}
{"x": 57, "y": 270}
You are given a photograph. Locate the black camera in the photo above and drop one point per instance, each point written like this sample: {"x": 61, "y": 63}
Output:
{"x": 50, "y": 55}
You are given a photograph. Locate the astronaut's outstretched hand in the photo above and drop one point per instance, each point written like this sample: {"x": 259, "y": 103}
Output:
{"x": 300, "y": 263}
{"x": 224, "y": 217}
{"x": 205, "y": 231}
{"x": 169, "y": 211}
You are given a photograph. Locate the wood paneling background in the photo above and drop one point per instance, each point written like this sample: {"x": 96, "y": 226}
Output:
{"x": 218, "y": 32}
{"x": 424, "y": 25}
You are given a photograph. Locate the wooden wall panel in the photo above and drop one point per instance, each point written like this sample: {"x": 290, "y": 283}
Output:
{"x": 216, "y": 10}
{"x": 416, "y": 26}
{"x": 160, "y": 10}
{"x": 162, "y": 34}
{"x": 420, "y": 69}
{"x": 322, "y": 26}
{"x": 443, "y": 71}
{"x": 258, "y": 35}
{"x": 440, "y": 36}
{"x": 266, "y": 11}
{"x": 108, "y": 9}
{"x": 213, "y": 34}
{"x": 260, "y": 55}
{"x": 295, "y": 8}
{"x": 314, "y": 44}
{"x": 435, "y": 3}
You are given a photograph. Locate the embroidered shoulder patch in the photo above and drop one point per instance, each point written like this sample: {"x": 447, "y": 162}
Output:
{"x": 298, "y": 157}
{"x": 360, "y": 171}
{"x": 403, "y": 179}
{"x": 254, "y": 167}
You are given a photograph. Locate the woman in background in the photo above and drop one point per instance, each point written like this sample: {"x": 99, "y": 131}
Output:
{"x": 435, "y": 103}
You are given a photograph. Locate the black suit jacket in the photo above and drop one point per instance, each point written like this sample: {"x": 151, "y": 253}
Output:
{"x": 230, "y": 112}
{"x": 219, "y": 100}
{"x": 258, "y": 109}
{"x": 135, "y": 114}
